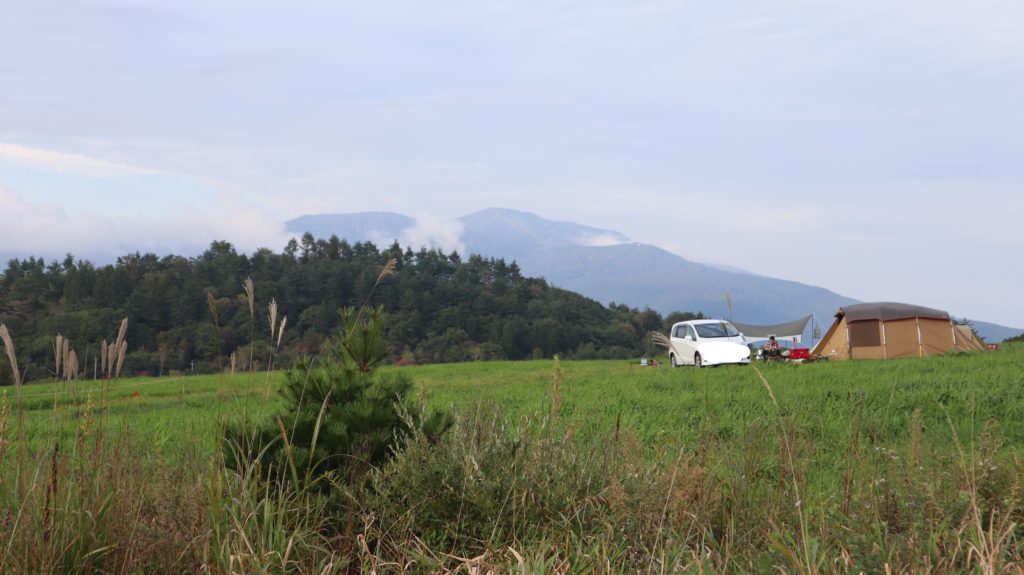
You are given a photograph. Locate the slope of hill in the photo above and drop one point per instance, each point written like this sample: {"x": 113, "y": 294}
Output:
{"x": 992, "y": 332}
{"x": 607, "y": 266}
{"x": 603, "y": 264}
{"x": 440, "y": 308}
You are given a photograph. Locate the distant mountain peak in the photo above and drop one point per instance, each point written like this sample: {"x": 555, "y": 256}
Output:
{"x": 512, "y": 231}
{"x": 598, "y": 263}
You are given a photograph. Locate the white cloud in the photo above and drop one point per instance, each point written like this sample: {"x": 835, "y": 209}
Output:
{"x": 67, "y": 163}
{"x": 599, "y": 240}
{"x": 434, "y": 232}
{"x": 46, "y": 230}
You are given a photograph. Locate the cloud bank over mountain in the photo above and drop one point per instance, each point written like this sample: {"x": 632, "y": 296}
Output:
{"x": 50, "y": 231}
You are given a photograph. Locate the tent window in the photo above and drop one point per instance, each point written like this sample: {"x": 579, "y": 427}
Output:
{"x": 865, "y": 334}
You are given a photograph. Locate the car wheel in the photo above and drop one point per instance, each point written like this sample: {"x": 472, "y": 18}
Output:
{"x": 697, "y": 360}
{"x": 672, "y": 360}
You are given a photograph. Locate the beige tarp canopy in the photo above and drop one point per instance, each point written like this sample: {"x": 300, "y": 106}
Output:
{"x": 789, "y": 331}
{"x": 887, "y": 330}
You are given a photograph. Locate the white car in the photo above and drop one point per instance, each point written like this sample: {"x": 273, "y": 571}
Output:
{"x": 703, "y": 342}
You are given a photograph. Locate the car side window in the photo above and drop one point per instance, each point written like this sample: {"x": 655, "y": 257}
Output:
{"x": 680, "y": 331}
{"x": 690, "y": 332}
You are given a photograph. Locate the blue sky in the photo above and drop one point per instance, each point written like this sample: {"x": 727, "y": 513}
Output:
{"x": 878, "y": 144}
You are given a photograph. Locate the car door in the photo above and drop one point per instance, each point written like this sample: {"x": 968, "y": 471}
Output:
{"x": 690, "y": 344}
{"x": 679, "y": 344}
{"x": 683, "y": 343}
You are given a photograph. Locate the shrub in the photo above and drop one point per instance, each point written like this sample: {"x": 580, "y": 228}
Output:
{"x": 341, "y": 415}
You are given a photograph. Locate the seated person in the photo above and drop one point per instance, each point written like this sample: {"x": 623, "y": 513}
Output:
{"x": 772, "y": 348}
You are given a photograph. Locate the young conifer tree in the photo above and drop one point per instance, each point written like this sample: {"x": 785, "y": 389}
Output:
{"x": 342, "y": 416}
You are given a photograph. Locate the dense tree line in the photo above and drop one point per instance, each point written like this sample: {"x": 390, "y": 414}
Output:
{"x": 438, "y": 307}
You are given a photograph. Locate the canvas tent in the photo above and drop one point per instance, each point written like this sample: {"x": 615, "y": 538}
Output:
{"x": 790, "y": 331}
{"x": 966, "y": 340}
{"x": 886, "y": 330}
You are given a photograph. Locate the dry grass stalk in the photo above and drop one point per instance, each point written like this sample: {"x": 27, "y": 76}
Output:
{"x": 212, "y": 304}
{"x": 659, "y": 339}
{"x": 5, "y": 336}
{"x": 65, "y": 353}
{"x": 989, "y": 540}
{"x": 111, "y": 358}
{"x": 250, "y": 294}
{"x": 58, "y": 354}
{"x": 121, "y": 352}
{"x": 86, "y": 420}
{"x": 280, "y": 331}
{"x": 234, "y": 361}
{"x": 556, "y": 392}
{"x": 103, "y": 357}
{"x": 71, "y": 366}
{"x": 5, "y": 418}
{"x": 388, "y": 271}
{"x": 120, "y": 333}
{"x": 272, "y": 315}
{"x": 113, "y": 354}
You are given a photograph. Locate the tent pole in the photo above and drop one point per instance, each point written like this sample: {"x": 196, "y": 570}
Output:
{"x": 920, "y": 340}
{"x": 849, "y": 344}
{"x": 885, "y": 349}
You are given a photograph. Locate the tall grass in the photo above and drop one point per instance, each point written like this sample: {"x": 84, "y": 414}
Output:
{"x": 88, "y": 499}
{"x": 565, "y": 467}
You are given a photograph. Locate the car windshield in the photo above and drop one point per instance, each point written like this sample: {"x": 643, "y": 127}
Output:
{"x": 722, "y": 329}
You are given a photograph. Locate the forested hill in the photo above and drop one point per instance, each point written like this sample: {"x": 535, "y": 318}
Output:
{"x": 439, "y": 308}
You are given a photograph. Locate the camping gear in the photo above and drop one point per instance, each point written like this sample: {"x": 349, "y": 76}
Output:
{"x": 789, "y": 331}
{"x": 888, "y": 330}
{"x": 795, "y": 355}
{"x": 966, "y": 340}
{"x": 799, "y": 354}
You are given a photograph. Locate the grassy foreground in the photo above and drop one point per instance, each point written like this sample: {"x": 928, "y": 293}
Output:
{"x": 902, "y": 466}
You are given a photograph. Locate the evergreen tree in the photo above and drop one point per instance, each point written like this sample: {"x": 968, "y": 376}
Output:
{"x": 341, "y": 415}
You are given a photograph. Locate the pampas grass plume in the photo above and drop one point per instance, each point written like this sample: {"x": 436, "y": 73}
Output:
{"x": 250, "y": 292}
{"x": 120, "y": 333}
{"x": 5, "y": 336}
{"x": 280, "y": 332}
{"x": 272, "y": 315}
{"x": 121, "y": 353}
{"x": 58, "y": 354}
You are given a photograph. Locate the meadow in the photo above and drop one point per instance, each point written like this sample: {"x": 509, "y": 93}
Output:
{"x": 574, "y": 466}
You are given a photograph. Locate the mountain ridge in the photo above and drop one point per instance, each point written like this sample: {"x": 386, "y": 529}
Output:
{"x": 608, "y": 266}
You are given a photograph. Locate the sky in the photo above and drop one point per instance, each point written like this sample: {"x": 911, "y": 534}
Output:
{"x": 873, "y": 147}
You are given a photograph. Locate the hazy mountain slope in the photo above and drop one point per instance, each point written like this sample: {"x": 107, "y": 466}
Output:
{"x": 637, "y": 274}
{"x": 995, "y": 333}
{"x": 353, "y": 227}
{"x": 605, "y": 265}
{"x": 643, "y": 275}
{"x": 512, "y": 234}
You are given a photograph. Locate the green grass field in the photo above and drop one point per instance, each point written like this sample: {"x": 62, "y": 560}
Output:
{"x": 830, "y": 467}
{"x": 982, "y": 392}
